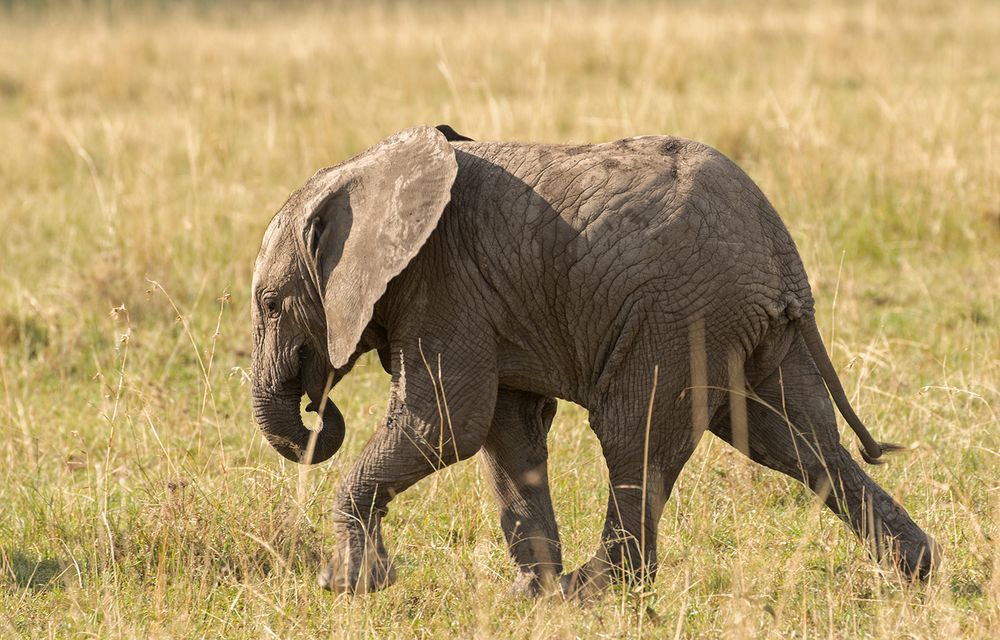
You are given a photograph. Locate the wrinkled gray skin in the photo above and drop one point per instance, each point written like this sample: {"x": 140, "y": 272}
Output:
{"x": 494, "y": 277}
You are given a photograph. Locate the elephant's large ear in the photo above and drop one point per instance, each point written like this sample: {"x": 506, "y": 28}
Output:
{"x": 372, "y": 215}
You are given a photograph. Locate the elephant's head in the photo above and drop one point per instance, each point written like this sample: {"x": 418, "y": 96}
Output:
{"x": 325, "y": 260}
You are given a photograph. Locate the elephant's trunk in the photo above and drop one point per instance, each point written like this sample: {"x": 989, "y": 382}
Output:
{"x": 277, "y": 413}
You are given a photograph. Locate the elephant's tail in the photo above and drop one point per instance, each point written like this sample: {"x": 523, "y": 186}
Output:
{"x": 871, "y": 450}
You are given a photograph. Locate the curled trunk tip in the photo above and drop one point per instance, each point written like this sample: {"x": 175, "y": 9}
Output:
{"x": 281, "y": 422}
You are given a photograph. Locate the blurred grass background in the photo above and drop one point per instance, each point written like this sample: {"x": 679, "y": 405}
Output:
{"x": 146, "y": 146}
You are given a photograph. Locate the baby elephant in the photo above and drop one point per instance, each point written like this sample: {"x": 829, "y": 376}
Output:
{"x": 648, "y": 280}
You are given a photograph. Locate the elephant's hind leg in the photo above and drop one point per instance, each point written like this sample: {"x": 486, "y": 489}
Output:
{"x": 791, "y": 427}
{"x": 517, "y": 456}
{"x": 645, "y": 453}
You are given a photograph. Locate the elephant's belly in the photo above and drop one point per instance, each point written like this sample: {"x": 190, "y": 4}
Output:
{"x": 526, "y": 369}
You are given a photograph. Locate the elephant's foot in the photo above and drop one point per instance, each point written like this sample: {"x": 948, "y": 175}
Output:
{"x": 882, "y": 523}
{"x": 610, "y": 566}
{"x": 526, "y": 584}
{"x": 356, "y": 572}
{"x": 532, "y": 583}
{"x": 592, "y": 579}
{"x": 588, "y": 582}
{"x": 898, "y": 539}
{"x": 915, "y": 559}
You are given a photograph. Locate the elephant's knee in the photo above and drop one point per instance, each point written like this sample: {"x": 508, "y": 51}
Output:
{"x": 454, "y": 441}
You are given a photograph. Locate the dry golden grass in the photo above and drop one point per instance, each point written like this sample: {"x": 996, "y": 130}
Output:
{"x": 146, "y": 148}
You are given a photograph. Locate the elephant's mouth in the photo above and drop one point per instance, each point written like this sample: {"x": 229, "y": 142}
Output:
{"x": 315, "y": 407}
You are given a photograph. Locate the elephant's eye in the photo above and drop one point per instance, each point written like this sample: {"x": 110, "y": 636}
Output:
{"x": 271, "y": 306}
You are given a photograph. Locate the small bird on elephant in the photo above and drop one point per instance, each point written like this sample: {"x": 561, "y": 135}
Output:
{"x": 647, "y": 280}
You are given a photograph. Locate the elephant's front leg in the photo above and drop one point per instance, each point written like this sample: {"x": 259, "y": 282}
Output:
{"x": 414, "y": 440}
{"x": 517, "y": 455}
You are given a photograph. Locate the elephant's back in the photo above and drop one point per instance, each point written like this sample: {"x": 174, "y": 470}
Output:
{"x": 588, "y": 234}
{"x": 657, "y": 201}
{"x": 646, "y": 180}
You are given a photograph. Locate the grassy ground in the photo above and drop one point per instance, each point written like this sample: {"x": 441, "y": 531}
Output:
{"x": 145, "y": 150}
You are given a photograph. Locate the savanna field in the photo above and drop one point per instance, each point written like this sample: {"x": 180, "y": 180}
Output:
{"x": 146, "y": 147}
